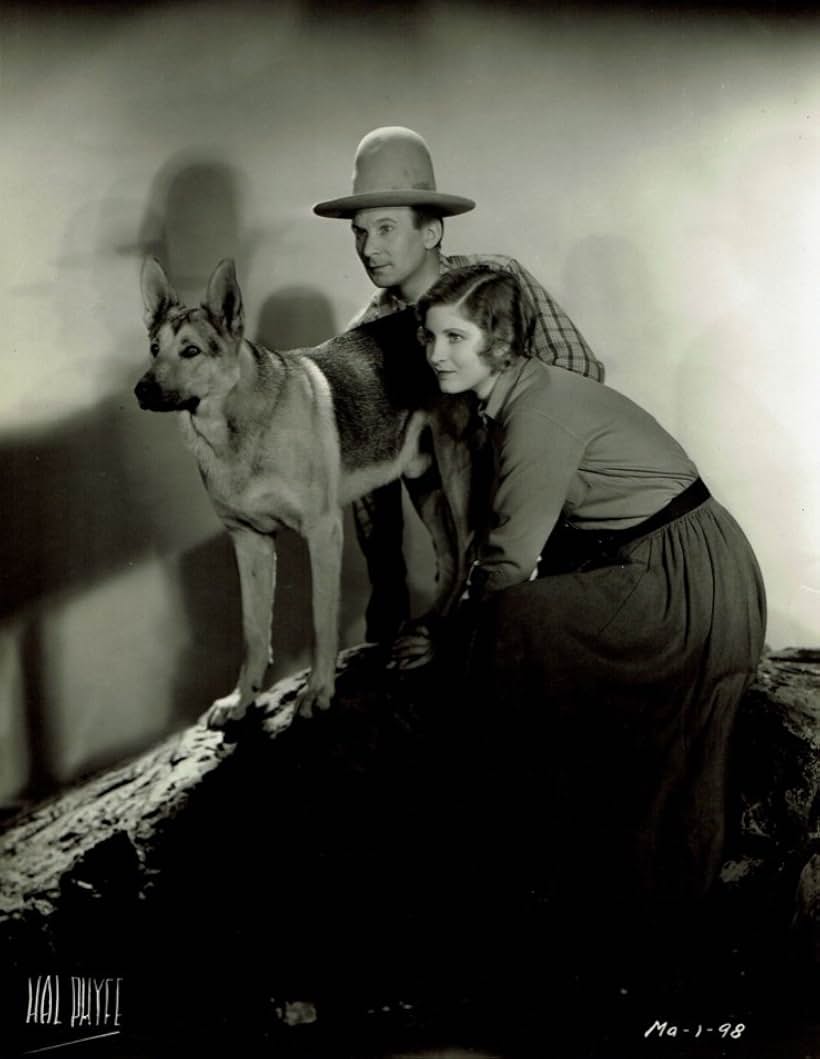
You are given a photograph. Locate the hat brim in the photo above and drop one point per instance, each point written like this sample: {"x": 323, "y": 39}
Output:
{"x": 446, "y": 205}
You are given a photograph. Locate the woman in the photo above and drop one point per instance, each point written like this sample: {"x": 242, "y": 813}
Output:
{"x": 618, "y": 609}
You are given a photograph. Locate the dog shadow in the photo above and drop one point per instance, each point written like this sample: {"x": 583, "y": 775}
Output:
{"x": 81, "y": 505}
{"x": 101, "y": 495}
{"x": 194, "y": 216}
{"x": 192, "y": 219}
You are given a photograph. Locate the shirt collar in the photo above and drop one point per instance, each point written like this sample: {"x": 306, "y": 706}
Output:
{"x": 386, "y": 297}
{"x": 504, "y": 385}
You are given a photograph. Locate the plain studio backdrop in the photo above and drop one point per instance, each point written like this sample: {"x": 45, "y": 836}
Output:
{"x": 658, "y": 172}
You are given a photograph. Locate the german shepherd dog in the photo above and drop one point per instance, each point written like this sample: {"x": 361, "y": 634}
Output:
{"x": 287, "y": 439}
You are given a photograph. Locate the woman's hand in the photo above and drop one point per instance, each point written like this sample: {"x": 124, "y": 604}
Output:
{"x": 413, "y": 647}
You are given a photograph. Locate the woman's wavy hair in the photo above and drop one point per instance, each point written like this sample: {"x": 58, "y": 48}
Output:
{"x": 492, "y": 300}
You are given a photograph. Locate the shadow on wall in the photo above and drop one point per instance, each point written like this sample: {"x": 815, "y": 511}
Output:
{"x": 192, "y": 220}
{"x": 746, "y": 384}
{"x": 70, "y": 520}
{"x": 88, "y": 498}
{"x": 752, "y": 459}
{"x": 611, "y": 282}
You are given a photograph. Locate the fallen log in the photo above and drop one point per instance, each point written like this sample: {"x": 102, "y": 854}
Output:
{"x": 776, "y": 763}
{"x": 128, "y": 803}
{"x": 101, "y": 872}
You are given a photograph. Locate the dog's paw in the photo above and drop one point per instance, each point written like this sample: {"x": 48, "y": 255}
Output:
{"x": 227, "y": 711}
{"x": 310, "y": 698}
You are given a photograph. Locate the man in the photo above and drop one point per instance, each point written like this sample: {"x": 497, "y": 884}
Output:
{"x": 397, "y": 220}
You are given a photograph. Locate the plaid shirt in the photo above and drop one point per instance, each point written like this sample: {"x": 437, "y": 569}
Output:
{"x": 555, "y": 338}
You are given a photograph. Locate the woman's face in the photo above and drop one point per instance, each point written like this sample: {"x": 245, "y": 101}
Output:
{"x": 454, "y": 347}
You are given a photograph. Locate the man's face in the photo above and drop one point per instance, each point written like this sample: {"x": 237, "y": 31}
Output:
{"x": 389, "y": 245}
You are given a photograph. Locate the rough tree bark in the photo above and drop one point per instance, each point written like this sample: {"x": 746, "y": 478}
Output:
{"x": 777, "y": 779}
{"x": 125, "y": 806}
{"x": 98, "y": 853}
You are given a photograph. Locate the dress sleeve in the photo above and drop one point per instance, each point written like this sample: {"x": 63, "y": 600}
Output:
{"x": 536, "y": 462}
{"x": 555, "y": 338}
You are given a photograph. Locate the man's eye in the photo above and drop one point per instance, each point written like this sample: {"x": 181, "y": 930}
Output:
{"x": 386, "y": 229}
{"x": 189, "y": 351}
{"x": 154, "y": 349}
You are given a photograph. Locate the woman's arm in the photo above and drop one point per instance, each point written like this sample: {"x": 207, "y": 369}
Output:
{"x": 537, "y": 460}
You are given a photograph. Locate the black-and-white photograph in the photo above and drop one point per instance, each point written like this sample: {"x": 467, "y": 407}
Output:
{"x": 410, "y": 611}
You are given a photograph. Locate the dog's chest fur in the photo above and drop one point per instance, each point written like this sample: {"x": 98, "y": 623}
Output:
{"x": 256, "y": 447}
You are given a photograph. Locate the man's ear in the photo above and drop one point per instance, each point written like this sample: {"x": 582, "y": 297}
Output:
{"x": 432, "y": 233}
{"x": 158, "y": 295}
{"x": 224, "y": 299}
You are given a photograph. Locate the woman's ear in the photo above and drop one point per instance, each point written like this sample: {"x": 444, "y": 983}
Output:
{"x": 501, "y": 354}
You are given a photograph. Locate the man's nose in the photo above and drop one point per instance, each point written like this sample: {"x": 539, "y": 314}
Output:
{"x": 371, "y": 246}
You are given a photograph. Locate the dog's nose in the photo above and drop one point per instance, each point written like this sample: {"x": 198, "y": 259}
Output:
{"x": 144, "y": 391}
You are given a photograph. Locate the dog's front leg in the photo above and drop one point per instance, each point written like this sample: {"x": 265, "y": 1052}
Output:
{"x": 325, "y": 547}
{"x": 256, "y": 560}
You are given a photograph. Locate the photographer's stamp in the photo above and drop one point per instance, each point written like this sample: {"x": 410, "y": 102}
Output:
{"x": 74, "y": 1001}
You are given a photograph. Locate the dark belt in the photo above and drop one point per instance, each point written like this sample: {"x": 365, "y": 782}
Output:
{"x": 570, "y": 548}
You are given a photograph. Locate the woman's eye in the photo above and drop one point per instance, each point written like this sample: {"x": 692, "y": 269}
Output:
{"x": 454, "y": 337}
{"x": 190, "y": 351}
{"x": 154, "y": 347}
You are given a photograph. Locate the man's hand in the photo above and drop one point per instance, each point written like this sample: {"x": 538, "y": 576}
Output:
{"x": 413, "y": 647}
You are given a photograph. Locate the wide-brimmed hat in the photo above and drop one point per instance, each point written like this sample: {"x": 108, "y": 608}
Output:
{"x": 393, "y": 167}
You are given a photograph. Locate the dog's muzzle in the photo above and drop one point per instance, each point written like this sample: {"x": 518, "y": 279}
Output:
{"x": 153, "y": 398}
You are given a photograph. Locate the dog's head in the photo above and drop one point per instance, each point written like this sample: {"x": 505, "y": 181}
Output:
{"x": 195, "y": 351}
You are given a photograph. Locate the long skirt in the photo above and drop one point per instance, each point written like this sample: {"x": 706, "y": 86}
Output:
{"x": 610, "y": 695}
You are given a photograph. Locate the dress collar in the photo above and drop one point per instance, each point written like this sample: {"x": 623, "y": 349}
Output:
{"x": 504, "y": 384}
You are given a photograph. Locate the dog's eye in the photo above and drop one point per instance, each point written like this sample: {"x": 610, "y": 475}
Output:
{"x": 154, "y": 349}
{"x": 190, "y": 351}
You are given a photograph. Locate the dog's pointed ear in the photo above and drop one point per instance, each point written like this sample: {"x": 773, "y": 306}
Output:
{"x": 157, "y": 293}
{"x": 224, "y": 299}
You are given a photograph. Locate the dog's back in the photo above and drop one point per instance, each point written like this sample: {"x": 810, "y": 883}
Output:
{"x": 378, "y": 376}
